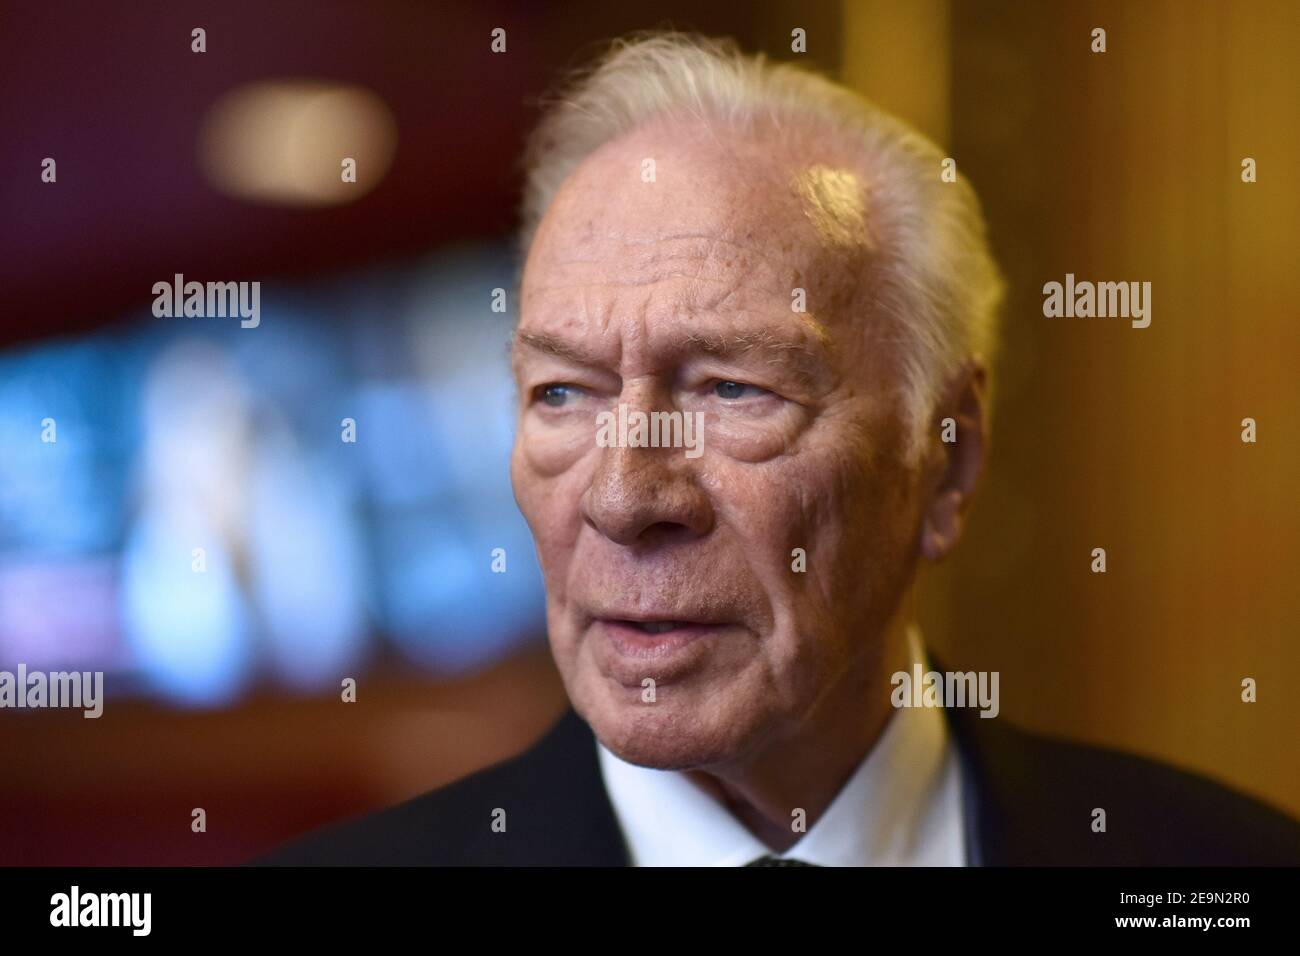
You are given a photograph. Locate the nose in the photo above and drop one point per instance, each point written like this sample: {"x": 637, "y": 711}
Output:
{"x": 640, "y": 496}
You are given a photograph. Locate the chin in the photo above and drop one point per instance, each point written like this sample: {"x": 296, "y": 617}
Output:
{"x": 667, "y": 736}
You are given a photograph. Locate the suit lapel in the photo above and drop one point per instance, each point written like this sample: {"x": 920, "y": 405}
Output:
{"x": 1006, "y": 824}
{"x": 563, "y": 773}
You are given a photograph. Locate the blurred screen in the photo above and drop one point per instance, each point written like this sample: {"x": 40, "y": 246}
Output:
{"x": 212, "y": 507}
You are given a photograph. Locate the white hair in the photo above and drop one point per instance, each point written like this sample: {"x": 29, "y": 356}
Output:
{"x": 933, "y": 273}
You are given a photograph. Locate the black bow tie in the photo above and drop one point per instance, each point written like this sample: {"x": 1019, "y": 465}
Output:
{"x": 769, "y": 860}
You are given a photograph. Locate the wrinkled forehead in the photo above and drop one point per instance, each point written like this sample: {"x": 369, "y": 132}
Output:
{"x": 687, "y": 200}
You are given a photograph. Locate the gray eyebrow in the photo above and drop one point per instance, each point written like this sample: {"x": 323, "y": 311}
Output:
{"x": 805, "y": 361}
{"x": 552, "y": 345}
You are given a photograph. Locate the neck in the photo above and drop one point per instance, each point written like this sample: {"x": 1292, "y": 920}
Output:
{"x": 806, "y": 768}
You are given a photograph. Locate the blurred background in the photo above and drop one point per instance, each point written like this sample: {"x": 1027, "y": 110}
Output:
{"x": 325, "y": 559}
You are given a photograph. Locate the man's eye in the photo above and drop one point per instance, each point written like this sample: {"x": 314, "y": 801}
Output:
{"x": 734, "y": 390}
{"x": 556, "y": 395}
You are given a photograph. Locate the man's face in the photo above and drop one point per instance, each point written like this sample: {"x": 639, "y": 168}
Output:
{"x": 680, "y": 294}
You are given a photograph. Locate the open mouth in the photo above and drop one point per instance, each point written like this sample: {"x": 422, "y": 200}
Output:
{"x": 672, "y": 647}
{"x": 662, "y": 628}
{"x": 652, "y": 627}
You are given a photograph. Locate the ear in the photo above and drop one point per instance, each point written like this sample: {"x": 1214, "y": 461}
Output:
{"x": 954, "y": 467}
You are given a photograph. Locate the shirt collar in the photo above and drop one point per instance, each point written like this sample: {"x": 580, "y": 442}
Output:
{"x": 900, "y": 807}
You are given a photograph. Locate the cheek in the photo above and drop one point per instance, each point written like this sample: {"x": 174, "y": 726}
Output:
{"x": 877, "y": 535}
{"x": 769, "y": 511}
{"x": 847, "y": 509}
{"x": 548, "y": 499}
{"x": 545, "y": 469}
{"x": 546, "y": 451}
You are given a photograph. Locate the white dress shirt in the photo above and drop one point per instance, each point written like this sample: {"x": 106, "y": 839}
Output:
{"x": 901, "y": 807}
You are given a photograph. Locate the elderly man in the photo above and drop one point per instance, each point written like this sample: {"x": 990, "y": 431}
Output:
{"x": 748, "y": 247}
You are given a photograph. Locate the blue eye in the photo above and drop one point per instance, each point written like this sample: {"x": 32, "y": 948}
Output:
{"x": 731, "y": 389}
{"x": 555, "y": 395}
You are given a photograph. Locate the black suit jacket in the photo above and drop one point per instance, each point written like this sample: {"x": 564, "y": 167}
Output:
{"x": 1029, "y": 800}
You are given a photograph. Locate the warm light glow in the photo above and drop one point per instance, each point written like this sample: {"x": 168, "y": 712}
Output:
{"x": 285, "y": 143}
{"x": 833, "y": 200}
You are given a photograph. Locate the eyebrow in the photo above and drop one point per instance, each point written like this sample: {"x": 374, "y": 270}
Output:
{"x": 808, "y": 363}
{"x": 552, "y": 345}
